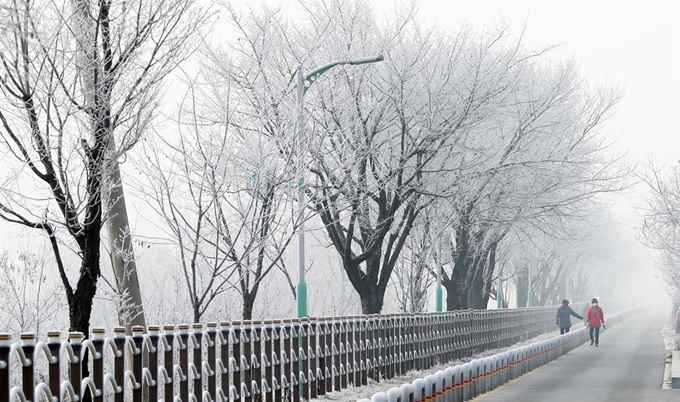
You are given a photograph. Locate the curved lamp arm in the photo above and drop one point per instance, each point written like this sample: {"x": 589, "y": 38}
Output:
{"x": 312, "y": 77}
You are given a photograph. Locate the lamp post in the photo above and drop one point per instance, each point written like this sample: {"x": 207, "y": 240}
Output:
{"x": 303, "y": 84}
{"x": 444, "y": 253}
{"x": 499, "y": 292}
{"x": 530, "y": 292}
{"x": 438, "y": 290}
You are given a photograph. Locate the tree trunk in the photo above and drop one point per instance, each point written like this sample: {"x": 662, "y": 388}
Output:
{"x": 98, "y": 82}
{"x": 371, "y": 301}
{"x": 491, "y": 268}
{"x": 122, "y": 251}
{"x": 248, "y": 303}
{"x": 475, "y": 286}
{"x": 452, "y": 301}
{"x": 461, "y": 266}
{"x": 80, "y": 305}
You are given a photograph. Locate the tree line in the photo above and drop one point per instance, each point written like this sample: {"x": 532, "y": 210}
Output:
{"x": 466, "y": 151}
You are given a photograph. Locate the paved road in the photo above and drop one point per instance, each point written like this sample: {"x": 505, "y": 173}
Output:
{"x": 628, "y": 366}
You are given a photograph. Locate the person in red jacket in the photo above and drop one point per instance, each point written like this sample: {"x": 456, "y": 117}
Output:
{"x": 595, "y": 320}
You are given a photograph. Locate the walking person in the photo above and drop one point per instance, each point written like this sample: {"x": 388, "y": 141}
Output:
{"x": 595, "y": 320}
{"x": 563, "y": 319}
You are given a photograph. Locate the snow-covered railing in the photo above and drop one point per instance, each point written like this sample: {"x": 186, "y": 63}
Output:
{"x": 466, "y": 381}
{"x": 271, "y": 360}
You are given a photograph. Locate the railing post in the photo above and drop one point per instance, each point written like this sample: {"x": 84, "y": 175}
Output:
{"x": 363, "y": 349}
{"x": 447, "y": 337}
{"x": 152, "y": 353}
{"x": 276, "y": 360}
{"x": 382, "y": 347}
{"x": 54, "y": 371}
{"x": 393, "y": 345}
{"x": 457, "y": 336}
{"x": 182, "y": 339}
{"x": 246, "y": 367}
{"x": 76, "y": 340}
{"x": 27, "y": 370}
{"x": 348, "y": 358}
{"x": 470, "y": 333}
{"x": 119, "y": 362}
{"x": 389, "y": 346}
{"x": 370, "y": 351}
{"x": 286, "y": 359}
{"x": 336, "y": 352}
{"x": 97, "y": 363}
{"x": 5, "y": 348}
{"x": 312, "y": 374}
{"x": 296, "y": 380}
{"x": 475, "y": 336}
{"x": 359, "y": 350}
{"x": 441, "y": 334}
{"x": 168, "y": 361}
{"x": 255, "y": 361}
{"x": 197, "y": 357}
{"x": 236, "y": 348}
{"x": 224, "y": 358}
{"x": 345, "y": 349}
{"x": 403, "y": 343}
{"x": 303, "y": 356}
{"x": 321, "y": 354}
{"x": 268, "y": 362}
{"x": 410, "y": 345}
{"x": 423, "y": 336}
{"x": 212, "y": 359}
{"x": 137, "y": 339}
{"x": 431, "y": 336}
{"x": 327, "y": 345}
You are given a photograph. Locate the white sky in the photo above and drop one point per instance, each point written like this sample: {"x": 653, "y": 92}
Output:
{"x": 632, "y": 44}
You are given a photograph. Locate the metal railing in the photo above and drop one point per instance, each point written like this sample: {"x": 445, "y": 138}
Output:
{"x": 250, "y": 361}
{"x": 466, "y": 381}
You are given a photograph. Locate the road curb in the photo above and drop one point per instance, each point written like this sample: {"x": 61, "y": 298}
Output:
{"x": 675, "y": 370}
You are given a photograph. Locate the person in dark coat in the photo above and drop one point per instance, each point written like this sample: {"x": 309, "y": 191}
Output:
{"x": 563, "y": 319}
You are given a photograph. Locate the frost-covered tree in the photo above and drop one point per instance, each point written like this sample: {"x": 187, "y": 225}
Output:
{"x": 661, "y": 229}
{"x": 221, "y": 198}
{"x": 80, "y": 84}
{"x": 30, "y": 299}
{"x": 223, "y": 184}
{"x": 543, "y": 161}
{"x": 507, "y": 140}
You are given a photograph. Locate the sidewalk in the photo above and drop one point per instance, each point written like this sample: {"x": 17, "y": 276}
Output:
{"x": 627, "y": 366}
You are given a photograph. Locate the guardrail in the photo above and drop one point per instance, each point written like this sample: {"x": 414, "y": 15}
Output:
{"x": 271, "y": 360}
{"x": 466, "y": 381}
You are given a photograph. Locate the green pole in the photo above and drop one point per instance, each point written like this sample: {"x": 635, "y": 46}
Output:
{"x": 302, "y": 85}
{"x": 302, "y": 299}
{"x": 302, "y": 284}
{"x": 499, "y": 293}
{"x": 439, "y": 298}
{"x": 530, "y": 293}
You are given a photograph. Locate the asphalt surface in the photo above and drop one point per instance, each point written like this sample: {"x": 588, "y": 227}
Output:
{"x": 627, "y": 366}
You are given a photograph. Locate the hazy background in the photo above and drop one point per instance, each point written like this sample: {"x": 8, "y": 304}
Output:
{"x": 631, "y": 44}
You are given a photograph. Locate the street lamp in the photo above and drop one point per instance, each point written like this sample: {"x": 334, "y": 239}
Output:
{"x": 303, "y": 84}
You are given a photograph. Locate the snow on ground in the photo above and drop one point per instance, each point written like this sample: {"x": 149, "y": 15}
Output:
{"x": 671, "y": 342}
{"x": 353, "y": 394}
